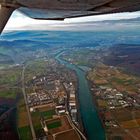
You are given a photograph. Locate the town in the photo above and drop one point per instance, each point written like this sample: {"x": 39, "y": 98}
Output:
{"x": 117, "y": 99}
{"x": 52, "y": 101}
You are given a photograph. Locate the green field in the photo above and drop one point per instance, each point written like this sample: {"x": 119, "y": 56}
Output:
{"x": 122, "y": 81}
{"x": 48, "y": 114}
{"x": 36, "y": 119}
{"x": 37, "y": 67}
{"x": 54, "y": 124}
{"x": 76, "y": 56}
{"x": 25, "y": 133}
{"x": 10, "y": 76}
{"x": 9, "y": 93}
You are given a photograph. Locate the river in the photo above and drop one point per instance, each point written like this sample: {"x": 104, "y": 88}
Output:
{"x": 91, "y": 122}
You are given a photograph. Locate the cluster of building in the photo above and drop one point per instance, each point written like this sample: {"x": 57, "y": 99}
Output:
{"x": 38, "y": 98}
{"x": 114, "y": 98}
{"x": 109, "y": 100}
{"x": 46, "y": 90}
{"x": 72, "y": 103}
{"x": 53, "y": 95}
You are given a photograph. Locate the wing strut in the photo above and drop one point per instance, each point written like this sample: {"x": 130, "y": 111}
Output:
{"x": 5, "y": 13}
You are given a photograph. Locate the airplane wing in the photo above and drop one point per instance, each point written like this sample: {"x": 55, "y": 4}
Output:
{"x": 5, "y": 14}
{"x": 76, "y": 8}
{"x": 61, "y": 9}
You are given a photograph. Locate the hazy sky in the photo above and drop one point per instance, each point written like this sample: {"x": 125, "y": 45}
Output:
{"x": 22, "y": 22}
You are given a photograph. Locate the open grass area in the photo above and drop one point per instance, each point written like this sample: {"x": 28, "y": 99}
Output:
{"x": 54, "y": 124}
{"x": 8, "y": 93}
{"x": 36, "y": 67}
{"x": 36, "y": 119}
{"x": 25, "y": 133}
{"x": 46, "y": 107}
{"x": 58, "y": 125}
{"x": 10, "y": 76}
{"x": 76, "y": 56}
{"x": 48, "y": 114}
{"x": 62, "y": 129}
{"x": 115, "y": 78}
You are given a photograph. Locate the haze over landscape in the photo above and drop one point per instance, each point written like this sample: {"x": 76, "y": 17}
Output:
{"x": 76, "y": 79}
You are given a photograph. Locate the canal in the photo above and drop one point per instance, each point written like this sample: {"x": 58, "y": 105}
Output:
{"x": 89, "y": 115}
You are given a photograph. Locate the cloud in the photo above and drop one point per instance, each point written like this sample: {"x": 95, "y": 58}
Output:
{"x": 118, "y": 16}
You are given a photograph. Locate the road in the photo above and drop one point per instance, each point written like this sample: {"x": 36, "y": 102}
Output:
{"x": 26, "y": 103}
{"x": 74, "y": 127}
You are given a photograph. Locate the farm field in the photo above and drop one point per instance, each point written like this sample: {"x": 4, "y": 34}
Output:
{"x": 67, "y": 135}
{"x": 23, "y": 123}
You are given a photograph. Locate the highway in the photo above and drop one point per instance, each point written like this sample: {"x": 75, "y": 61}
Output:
{"x": 26, "y": 103}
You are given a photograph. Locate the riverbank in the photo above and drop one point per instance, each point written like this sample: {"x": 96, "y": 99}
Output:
{"x": 95, "y": 102}
{"x": 89, "y": 115}
{"x": 79, "y": 123}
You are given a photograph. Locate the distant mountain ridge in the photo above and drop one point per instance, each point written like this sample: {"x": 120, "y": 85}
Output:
{"x": 19, "y": 44}
{"x": 22, "y": 43}
{"x": 133, "y": 20}
{"x": 126, "y": 56}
